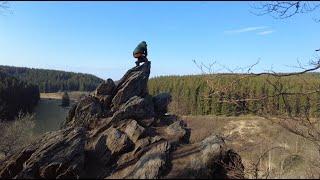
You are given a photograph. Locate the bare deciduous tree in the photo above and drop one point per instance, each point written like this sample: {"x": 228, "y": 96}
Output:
{"x": 284, "y": 9}
{"x": 303, "y": 126}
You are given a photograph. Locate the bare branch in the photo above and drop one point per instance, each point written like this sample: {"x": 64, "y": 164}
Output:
{"x": 284, "y": 9}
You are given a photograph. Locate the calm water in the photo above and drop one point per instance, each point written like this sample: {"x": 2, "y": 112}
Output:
{"x": 49, "y": 115}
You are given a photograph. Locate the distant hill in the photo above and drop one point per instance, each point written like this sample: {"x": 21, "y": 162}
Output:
{"x": 16, "y": 96}
{"x": 54, "y": 80}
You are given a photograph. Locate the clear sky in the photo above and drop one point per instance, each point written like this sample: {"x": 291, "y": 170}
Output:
{"x": 99, "y": 37}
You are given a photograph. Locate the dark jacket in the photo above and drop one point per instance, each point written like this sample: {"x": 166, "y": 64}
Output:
{"x": 141, "y": 48}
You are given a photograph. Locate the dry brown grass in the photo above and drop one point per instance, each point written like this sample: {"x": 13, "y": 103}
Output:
{"x": 282, "y": 154}
{"x": 14, "y": 135}
{"x": 74, "y": 95}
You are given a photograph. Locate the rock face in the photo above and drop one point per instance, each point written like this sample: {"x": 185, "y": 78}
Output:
{"x": 136, "y": 108}
{"x": 105, "y": 88}
{"x": 133, "y": 83}
{"x": 178, "y": 132}
{"x": 57, "y": 154}
{"x": 120, "y": 132}
{"x": 161, "y": 102}
{"x": 84, "y": 113}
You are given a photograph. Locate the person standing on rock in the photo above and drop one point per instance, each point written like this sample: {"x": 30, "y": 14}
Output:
{"x": 141, "y": 52}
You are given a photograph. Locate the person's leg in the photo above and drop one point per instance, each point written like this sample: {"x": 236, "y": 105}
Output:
{"x": 137, "y": 62}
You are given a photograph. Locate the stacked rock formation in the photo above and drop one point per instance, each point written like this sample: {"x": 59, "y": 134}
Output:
{"x": 121, "y": 131}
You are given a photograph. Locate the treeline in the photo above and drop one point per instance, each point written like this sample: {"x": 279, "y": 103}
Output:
{"x": 195, "y": 95}
{"x": 53, "y": 80}
{"x": 16, "y": 96}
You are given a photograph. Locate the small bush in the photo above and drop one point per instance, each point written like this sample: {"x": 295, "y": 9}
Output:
{"x": 16, "y": 134}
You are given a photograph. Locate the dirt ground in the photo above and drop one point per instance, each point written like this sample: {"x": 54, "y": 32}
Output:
{"x": 282, "y": 153}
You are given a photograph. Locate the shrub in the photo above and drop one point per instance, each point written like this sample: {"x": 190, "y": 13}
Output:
{"x": 16, "y": 134}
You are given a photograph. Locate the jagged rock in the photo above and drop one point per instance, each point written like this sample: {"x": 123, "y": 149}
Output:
{"x": 149, "y": 166}
{"x": 133, "y": 83}
{"x": 71, "y": 114}
{"x": 105, "y": 100}
{"x": 121, "y": 132}
{"x": 134, "y": 130}
{"x": 57, "y": 154}
{"x": 86, "y": 112}
{"x": 210, "y": 158}
{"x": 135, "y": 108}
{"x": 161, "y": 102}
{"x": 99, "y": 150}
{"x": 219, "y": 161}
{"x": 152, "y": 163}
{"x": 105, "y": 88}
{"x": 178, "y": 130}
{"x": 140, "y": 148}
{"x": 98, "y": 157}
{"x": 118, "y": 142}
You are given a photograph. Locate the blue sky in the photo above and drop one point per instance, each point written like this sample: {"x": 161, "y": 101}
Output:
{"x": 99, "y": 37}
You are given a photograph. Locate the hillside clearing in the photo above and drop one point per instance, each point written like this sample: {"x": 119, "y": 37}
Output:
{"x": 251, "y": 136}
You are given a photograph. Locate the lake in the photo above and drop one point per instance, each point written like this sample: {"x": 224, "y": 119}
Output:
{"x": 49, "y": 115}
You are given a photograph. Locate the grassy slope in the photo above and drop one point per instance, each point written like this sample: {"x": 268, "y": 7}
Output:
{"x": 251, "y": 136}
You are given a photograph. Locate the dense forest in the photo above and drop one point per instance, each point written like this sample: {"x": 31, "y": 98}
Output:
{"x": 16, "y": 96}
{"x": 53, "y": 80}
{"x": 194, "y": 95}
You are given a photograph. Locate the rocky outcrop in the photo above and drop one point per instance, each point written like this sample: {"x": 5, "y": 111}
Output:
{"x": 105, "y": 88}
{"x": 120, "y": 131}
{"x": 57, "y": 154}
{"x": 178, "y": 131}
{"x": 133, "y": 83}
{"x": 86, "y": 112}
{"x": 135, "y": 108}
{"x": 161, "y": 102}
{"x": 210, "y": 158}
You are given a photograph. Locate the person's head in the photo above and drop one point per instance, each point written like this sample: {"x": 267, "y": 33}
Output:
{"x": 143, "y": 42}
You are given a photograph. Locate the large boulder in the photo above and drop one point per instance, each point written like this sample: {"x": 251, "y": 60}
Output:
{"x": 117, "y": 141}
{"x": 85, "y": 112}
{"x": 134, "y": 130}
{"x": 133, "y": 83}
{"x": 179, "y": 132}
{"x": 208, "y": 159}
{"x": 57, "y": 154}
{"x": 135, "y": 108}
{"x": 150, "y": 165}
{"x": 106, "y": 88}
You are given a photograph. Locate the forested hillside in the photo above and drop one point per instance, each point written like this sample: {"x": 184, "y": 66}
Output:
{"x": 16, "y": 96}
{"x": 195, "y": 95}
{"x": 53, "y": 80}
